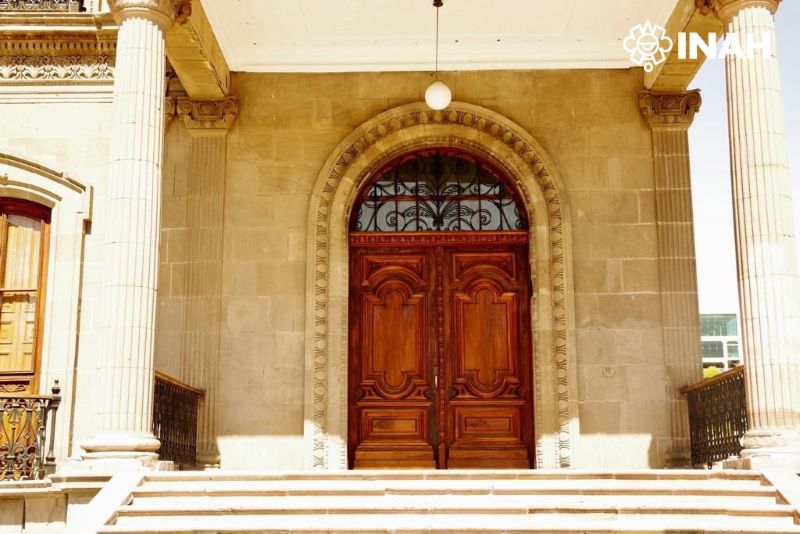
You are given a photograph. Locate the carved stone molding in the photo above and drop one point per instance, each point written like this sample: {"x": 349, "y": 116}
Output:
{"x": 165, "y": 12}
{"x": 207, "y": 114}
{"x": 670, "y": 109}
{"x": 388, "y": 135}
{"x": 58, "y": 69}
{"x": 725, "y": 10}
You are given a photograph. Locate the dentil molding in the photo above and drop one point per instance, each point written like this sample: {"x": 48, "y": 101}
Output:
{"x": 670, "y": 109}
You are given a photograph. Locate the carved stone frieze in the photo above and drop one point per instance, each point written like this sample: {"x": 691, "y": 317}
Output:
{"x": 670, "y": 109}
{"x": 48, "y": 69}
{"x": 207, "y": 114}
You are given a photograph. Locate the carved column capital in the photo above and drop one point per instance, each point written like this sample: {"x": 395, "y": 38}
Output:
{"x": 725, "y": 10}
{"x": 208, "y": 114}
{"x": 163, "y": 12}
{"x": 674, "y": 110}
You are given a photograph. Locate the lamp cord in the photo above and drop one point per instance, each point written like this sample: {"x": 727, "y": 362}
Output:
{"x": 436, "y": 71}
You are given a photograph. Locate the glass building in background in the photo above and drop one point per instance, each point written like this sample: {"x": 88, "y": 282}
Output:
{"x": 719, "y": 333}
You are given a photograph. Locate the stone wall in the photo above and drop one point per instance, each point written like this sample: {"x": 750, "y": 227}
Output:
{"x": 589, "y": 124}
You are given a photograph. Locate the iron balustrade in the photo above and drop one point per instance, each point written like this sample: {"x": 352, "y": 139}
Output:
{"x": 175, "y": 407}
{"x": 717, "y": 416}
{"x": 24, "y": 435}
{"x": 66, "y": 6}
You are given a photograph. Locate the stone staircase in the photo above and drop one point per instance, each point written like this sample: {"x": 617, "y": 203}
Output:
{"x": 457, "y": 501}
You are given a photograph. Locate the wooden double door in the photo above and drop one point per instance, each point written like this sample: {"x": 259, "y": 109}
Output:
{"x": 440, "y": 351}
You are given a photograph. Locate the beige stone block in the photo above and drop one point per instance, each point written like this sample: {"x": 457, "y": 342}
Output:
{"x": 173, "y": 212}
{"x": 639, "y": 346}
{"x": 12, "y": 515}
{"x": 591, "y": 276}
{"x": 632, "y": 172}
{"x": 178, "y": 280}
{"x": 645, "y": 417}
{"x": 581, "y": 173}
{"x": 615, "y": 208}
{"x": 624, "y": 241}
{"x": 45, "y": 514}
{"x": 170, "y": 314}
{"x": 640, "y": 276}
{"x": 596, "y": 346}
{"x": 646, "y": 382}
{"x": 239, "y": 279}
{"x": 647, "y": 207}
{"x": 629, "y": 311}
{"x": 601, "y": 383}
{"x": 600, "y": 418}
{"x": 177, "y": 249}
{"x": 243, "y": 314}
{"x": 586, "y": 311}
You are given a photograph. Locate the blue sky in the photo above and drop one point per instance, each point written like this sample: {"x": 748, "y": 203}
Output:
{"x": 708, "y": 138}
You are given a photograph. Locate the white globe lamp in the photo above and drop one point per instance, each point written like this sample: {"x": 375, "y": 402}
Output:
{"x": 438, "y": 96}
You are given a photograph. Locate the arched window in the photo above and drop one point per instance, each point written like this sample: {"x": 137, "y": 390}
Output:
{"x": 437, "y": 191}
{"x": 23, "y": 251}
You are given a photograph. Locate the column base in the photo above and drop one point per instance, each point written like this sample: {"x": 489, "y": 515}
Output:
{"x": 679, "y": 456}
{"x": 116, "y": 452}
{"x": 770, "y": 449}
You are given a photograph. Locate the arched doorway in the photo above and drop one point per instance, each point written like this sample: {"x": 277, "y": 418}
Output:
{"x": 439, "y": 317}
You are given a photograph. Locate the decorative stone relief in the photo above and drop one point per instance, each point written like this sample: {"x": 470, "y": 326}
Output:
{"x": 42, "y": 69}
{"x": 207, "y": 114}
{"x": 670, "y": 108}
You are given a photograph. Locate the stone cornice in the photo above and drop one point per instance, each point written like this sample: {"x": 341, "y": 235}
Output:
{"x": 207, "y": 114}
{"x": 163, "y": 12}
{"x": 670, "y": 109}
{"x": 725, "y": 10}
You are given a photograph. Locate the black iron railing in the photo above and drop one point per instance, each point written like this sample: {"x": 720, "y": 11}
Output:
{"x": 24, "y": 435}
{"x": 66, "y": 6}
{"x": 717, "y": 416}
{"x": 175, "y": 408}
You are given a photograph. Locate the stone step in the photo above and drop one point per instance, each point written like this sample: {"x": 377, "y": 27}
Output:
{"x": 460, "y": 475}
{"x": 456, "y": 502}
{"x": 457, "y": 523}
{"x": 453, "y": 505}
{"x": 465, "y": 487}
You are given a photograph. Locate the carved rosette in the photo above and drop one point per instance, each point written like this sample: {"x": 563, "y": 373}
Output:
{"x": 163, "y": 12}
{"x": 725, "y": 10}
{"x": 207, "y": 114}
{"x": 670, "y": 109}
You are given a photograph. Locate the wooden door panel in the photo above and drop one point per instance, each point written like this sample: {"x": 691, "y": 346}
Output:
{"x": 488, "y": 360}
{"x": 391, "y": 373}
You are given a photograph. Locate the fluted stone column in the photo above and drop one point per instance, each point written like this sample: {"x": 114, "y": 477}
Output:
{"x": 130, "y": 233}
{"x": 670, "y": 116}
{"x": 769, "y": 294}
{"x": 208, "y": 122}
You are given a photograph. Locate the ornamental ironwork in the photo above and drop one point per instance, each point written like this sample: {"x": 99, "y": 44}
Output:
{"x": 438, "y": 191}
{"x": 717, "y": 417}
{"x": 175, "y": 406}
{"x": 24, "y": 435}
{"x": 71, "y": 6}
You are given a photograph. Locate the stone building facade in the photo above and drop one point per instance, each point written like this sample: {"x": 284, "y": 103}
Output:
{"x": 199, "y": 227}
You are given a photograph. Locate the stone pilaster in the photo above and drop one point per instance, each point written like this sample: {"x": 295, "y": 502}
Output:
{"x": 130, "y": 234}
{"x": 670, "y": 116}
{"x": 769, "y": 295}
{"x": 208, "y": 122}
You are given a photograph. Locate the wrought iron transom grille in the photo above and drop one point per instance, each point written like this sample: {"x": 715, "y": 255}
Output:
{"x": 437, "y": 191}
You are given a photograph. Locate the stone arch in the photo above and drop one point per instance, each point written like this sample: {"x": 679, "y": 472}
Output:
{"x": 505, "y": 144}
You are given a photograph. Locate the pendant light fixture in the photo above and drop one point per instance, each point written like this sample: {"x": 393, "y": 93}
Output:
{"x": 438, "y": 95}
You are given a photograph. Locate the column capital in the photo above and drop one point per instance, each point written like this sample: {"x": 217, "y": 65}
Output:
{"x": 207, "y": 114}
{"x": 725, "y": 10}
{"x": 672, "y": 110}
{"x": 163, "y": 12}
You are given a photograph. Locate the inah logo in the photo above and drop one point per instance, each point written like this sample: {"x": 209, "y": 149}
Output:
{"x": 648, "y": 45}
